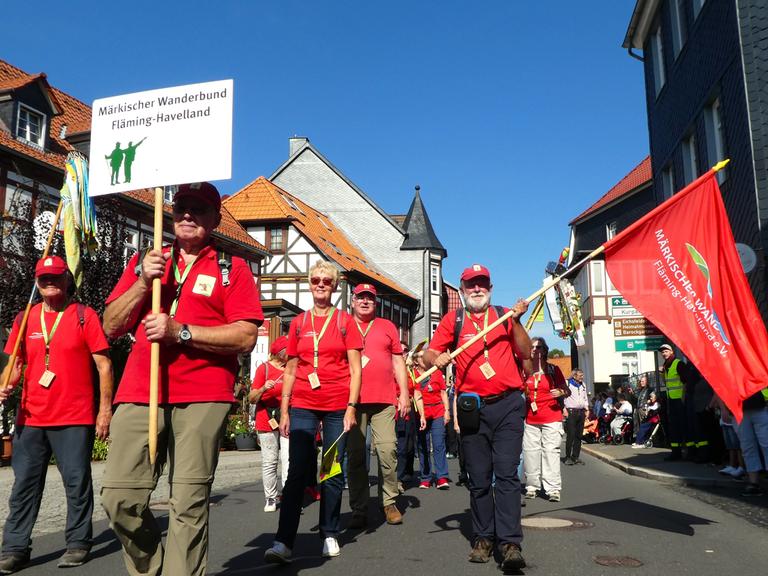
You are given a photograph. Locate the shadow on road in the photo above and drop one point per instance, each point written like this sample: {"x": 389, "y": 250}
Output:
{"x": 461, "y": 521}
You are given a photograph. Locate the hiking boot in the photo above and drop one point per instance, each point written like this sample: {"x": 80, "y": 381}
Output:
{"x": 752, "y": 490}
{"x": 73, "y": 558}
{"x": 393, "y": 515}
{"x": 512, "y": 557}
{"x": 481, "y": 551}
{"x": 358, "y": 521}
{"x": 13, "y": 561}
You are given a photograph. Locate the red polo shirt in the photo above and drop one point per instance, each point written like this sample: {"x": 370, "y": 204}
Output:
{"x": 431, "y": 388}
{"x": 548, "y": 408}
{"x": 271, "y": 397}
{"x": 333, "y": 367}
{"x": 379, "y": 345}
{"x": 70, "y": 399}
{"x": 501, "y": 353}
{"x": 188, "y": 374}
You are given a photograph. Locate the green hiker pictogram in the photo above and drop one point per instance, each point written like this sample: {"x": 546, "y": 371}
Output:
{"x": 122, "y": 157}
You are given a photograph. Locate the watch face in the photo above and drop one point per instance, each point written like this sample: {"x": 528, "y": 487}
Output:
{"x": 185, "y": 335}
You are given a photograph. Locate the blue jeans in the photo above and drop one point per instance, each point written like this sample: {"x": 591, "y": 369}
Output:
{"x": 435, "y": 431}
{"x": 302, "y": 459}
{"x": 32, "y": 448}
{"x": 753, "y": 437}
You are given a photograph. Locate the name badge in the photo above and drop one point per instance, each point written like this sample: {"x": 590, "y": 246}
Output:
{"x": 364, "y": 360}
{"x": 314, "y": 380}
{"x": 487, "y": 370}
{"x": 534, "y": 408}
{"x": 273, "y": 424}
{"x": 204, "y": 285}
{"x": 47, "y": 378}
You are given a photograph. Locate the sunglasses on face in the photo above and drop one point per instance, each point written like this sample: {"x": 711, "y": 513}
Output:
{"x": 321, "y": 281}
{"x": 536, "y": 347}
{"x": 182, "y": 208}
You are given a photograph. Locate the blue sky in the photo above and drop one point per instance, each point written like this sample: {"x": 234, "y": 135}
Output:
{"x": 512, "y": 116}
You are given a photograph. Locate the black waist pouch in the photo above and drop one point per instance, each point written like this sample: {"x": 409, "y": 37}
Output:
{"x": 468, "y": 407}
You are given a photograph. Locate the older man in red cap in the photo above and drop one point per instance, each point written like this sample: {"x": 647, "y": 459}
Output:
{"x": 57, "y": 414}
{"x": 490, "y": 411}
{"x": 210, "y": 313}
{"x": 383, "y": 374}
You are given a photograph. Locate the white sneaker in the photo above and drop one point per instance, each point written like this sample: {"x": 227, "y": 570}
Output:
{"x": 331, "y": 547}
{"x": 278, "y": 554}
{"x": 554, "y": 496}
{"x": 530, "y": 493}
{"x": 727, "y": 470}
{"x": 636, "y": 446}
{"x": 270, "y": 505}
{"x": 738, "y": 472}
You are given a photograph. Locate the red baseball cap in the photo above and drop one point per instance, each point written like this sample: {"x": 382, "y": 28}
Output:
{"x": 279, "y": 345}
{"x": 203, "y": 191}
{"x": 360, "y": 288}
{"x": 475, "y": 271}
{"x": 53, "y": 265}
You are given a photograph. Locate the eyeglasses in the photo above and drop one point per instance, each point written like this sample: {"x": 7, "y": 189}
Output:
{"x": 194, "y": 209}
{"x": 321, "y": 281}
{"x": 537, "y": 347}
{"x": 365, "y": 297}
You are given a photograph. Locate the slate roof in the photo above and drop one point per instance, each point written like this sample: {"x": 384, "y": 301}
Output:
{"x": 229, "y": 228}
{"x": 75, "y": 114}
{"x": 262, "y": 201}
{"x": 637, "y": 178}
{"x": 418, "y": 229}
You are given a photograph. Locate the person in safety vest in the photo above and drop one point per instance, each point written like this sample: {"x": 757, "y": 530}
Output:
{"x": 675, "y": 375}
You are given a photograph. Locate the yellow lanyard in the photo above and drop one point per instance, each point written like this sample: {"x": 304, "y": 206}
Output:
{"x": 316, "y": 337}
{"x": 180, "y": 279}
{"x": 536, "y": 380}
{"x": 46, "y": 338}
{"x": 485, "y": 325}
{"x": 364, "y": 334}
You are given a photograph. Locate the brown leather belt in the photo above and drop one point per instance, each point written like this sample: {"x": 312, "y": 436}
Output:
{"x": 496, "y": 397}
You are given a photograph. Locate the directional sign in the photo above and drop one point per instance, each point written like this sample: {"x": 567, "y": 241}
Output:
{"x": 634, "y": 327}
{"x": 618, "y": 301}
{"x": 161, "y": 137}
{"x": 625, "y": 312}
{"x": 635, "y": 344}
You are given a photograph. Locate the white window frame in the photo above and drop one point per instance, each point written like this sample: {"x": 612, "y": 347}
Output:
{"x": 433, "y": 327}
{"x": 611, "y": 229}
{"x": 434, "y": 279}
{"x": 668, "y": 182}
{"x": 629, "y": 359}
{"x": 713, "y": 122}
{"x": 598, "y": 277}
{"x": 657, "y": 60}
{"x": 43, "y": 125}
{"x": 678, "y": 26}
{"x": 690, "y": 160}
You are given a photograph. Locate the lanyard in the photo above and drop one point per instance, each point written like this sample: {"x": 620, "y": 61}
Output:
{"x": 181, "y": 278}
{"x": 46, "y": 338}
{"x": 485, "y": 336}
{"x": 536, "y": 380}
{"x": 316, "y": 337}
{"x": 364, "y": 334}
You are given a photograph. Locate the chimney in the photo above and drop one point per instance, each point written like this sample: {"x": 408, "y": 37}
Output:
{"x": 295, "y": 144}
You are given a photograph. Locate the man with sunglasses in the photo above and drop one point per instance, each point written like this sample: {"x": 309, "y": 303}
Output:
{"x": 206, "y": 320}
{"x": 491, "y": 370}
{"x": 383, "y": 371}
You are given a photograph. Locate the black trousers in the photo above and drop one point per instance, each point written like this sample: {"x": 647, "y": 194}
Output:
{"x": 574, "y": 430}
{"x": 677, "y": 426}
{"x": 406, "y": 445}
{"x": 492, "y": 455}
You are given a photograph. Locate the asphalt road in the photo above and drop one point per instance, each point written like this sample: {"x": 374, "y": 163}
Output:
{"x": 616, "y": 524}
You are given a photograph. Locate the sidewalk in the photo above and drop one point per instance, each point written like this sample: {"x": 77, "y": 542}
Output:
{"x": 649, "y": 463}
{"x": 235, "y": 468}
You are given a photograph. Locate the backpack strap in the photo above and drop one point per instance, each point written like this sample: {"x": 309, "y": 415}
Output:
{"x": 458, "y": 326}
{"x": 81, "y": 315}
{"x": 140, "y": 259}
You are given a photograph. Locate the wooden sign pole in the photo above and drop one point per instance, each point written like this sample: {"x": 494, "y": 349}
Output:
{"x": 154, "y": 370}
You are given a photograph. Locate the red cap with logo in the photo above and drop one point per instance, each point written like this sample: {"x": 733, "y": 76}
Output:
{"x": 279, "y": 345}
{"x": 360, "y": 288}
{"x": 203, "y": 191}
{"x": 53, "y": 265}
{"x": 475, "y": 271}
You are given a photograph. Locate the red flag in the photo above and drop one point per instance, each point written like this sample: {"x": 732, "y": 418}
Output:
{"x": 679, "y": 267}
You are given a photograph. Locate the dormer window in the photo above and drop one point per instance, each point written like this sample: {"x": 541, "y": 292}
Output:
{"x": 30, "y": 126}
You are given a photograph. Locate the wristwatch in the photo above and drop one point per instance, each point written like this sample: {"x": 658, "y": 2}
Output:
{"x": 185, "y": 336}
{"x": 353, "y": 404}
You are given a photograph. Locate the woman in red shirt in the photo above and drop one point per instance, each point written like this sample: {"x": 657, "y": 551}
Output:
{"x": 321, "y": 385}
{"x": 265, "y": 393}
{"x": 544, "y": 387}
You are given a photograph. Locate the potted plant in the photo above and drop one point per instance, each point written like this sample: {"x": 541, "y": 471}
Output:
{"x": 240, "y": 430}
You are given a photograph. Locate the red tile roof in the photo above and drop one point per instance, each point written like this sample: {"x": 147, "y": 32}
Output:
{"x": 75, "y": 114}
{"x": 229, "y": 227}
{"x": 638, "y": 176}
{"x": 261, "y": 200}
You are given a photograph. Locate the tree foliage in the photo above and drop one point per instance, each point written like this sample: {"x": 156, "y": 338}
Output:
{"x": 556, "y": 353}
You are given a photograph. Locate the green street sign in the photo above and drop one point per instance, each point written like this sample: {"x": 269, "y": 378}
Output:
{"x": 635, "y": 344}
{"x": 619, "y": 301}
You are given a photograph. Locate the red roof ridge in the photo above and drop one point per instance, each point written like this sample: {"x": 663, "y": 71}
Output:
{"x": 639, "y": 175}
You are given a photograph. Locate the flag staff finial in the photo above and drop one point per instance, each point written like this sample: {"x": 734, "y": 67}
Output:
{"x": 720, "y": 165}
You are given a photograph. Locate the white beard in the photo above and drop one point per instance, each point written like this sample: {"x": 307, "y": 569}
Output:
{"x": 477, "y": 304}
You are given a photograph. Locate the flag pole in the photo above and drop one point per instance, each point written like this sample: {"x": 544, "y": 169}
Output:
{"x": 32, "y": 294}
{"x": 547, "y": 285}
{"x": 154, "y": 369}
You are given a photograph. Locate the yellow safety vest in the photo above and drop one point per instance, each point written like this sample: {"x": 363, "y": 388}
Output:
{"x": 675, "y": 388}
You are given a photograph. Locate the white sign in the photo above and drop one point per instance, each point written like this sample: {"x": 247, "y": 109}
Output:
{"x": 161, "y": 137}
{"x": 624, "y": 312}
